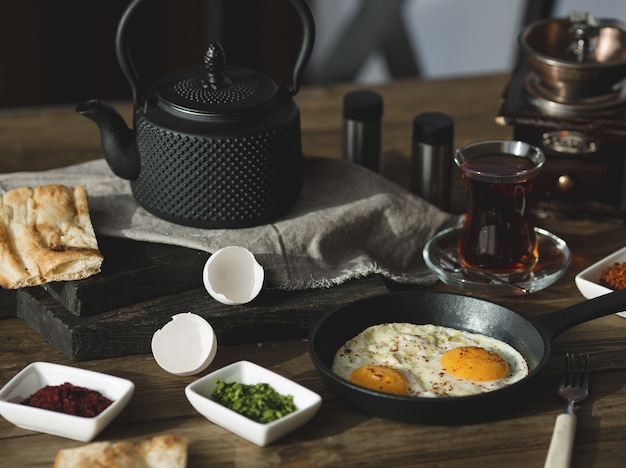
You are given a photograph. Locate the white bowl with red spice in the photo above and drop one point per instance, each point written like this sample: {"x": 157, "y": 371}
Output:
{"x": 96, "y": 400}
{"x": 201, "y": 396}
{"x": 588, "y": 281}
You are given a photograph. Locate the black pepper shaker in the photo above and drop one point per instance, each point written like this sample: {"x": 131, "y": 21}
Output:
{"x": 431, "y": 158}
{"x": 362, "y": 112}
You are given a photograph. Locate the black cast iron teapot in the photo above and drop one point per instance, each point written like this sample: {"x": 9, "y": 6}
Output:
{"x": 213, "y": 146}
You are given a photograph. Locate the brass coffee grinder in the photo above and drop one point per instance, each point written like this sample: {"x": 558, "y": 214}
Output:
{"x": 568, "y": 96}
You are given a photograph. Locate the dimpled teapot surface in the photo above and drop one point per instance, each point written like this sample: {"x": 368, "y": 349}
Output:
{"x": 213, "y": 146}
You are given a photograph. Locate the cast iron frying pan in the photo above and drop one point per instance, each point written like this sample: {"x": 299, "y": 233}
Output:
{"x": 530, "y": 335}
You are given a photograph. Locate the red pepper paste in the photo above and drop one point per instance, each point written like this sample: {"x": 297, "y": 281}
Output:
{"x": 615, "y": 276}
{"x": 69, "y": 399}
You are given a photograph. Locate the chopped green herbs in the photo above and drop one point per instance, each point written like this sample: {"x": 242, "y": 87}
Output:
{"x": 259, "y": 402}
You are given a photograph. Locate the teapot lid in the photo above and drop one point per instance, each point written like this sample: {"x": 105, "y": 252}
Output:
{"x": 216, "y": 88}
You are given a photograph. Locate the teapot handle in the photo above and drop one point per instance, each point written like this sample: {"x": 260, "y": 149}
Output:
{"x": 128, "y": 68}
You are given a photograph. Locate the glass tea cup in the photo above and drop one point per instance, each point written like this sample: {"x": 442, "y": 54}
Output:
{"x": 498, "y": 235}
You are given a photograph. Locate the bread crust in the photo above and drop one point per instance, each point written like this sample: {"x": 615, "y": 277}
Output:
{"x": 46, "y": 235}
{"x": 162, "y": 451}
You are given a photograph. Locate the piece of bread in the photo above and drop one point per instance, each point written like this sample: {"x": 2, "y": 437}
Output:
{"x": 46, "y": 235}
{"x": 164, "y": 451}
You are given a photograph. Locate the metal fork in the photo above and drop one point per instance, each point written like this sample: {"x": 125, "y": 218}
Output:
{"x": 574, "y": 388}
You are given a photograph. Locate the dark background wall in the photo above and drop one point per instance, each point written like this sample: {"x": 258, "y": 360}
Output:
{"x": 63, "y": 51}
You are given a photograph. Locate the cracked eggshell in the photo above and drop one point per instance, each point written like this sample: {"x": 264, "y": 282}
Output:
{"x": 233, "y": 276}
{"x": 186, "y": 345}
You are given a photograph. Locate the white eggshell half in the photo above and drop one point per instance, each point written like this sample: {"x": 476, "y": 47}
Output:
{"x": 233, "y": 276}
{"x": 185, "y": 345}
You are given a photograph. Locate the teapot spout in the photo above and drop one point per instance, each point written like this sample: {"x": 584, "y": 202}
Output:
{"x": 118, "y": 141}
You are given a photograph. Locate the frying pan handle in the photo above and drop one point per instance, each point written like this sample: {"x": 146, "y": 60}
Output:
{"x": 557, "y": 322}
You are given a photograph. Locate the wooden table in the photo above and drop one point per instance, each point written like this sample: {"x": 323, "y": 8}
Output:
{"x": 36, "y": 139}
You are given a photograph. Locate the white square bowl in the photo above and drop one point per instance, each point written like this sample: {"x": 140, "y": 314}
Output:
{"x": 39, "y": 374}
{"x": 588, "y": 280}
{"x": 199, "y": 395}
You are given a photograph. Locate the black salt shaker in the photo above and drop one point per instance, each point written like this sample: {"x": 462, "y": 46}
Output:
{"x": 431, "y": 158}
{"x": 362, "y": 112}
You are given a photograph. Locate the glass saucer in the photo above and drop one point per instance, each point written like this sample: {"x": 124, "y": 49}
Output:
{"x": 441, "y": 256}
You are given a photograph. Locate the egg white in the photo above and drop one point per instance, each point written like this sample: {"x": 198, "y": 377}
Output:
{"x": 416, "y": 350}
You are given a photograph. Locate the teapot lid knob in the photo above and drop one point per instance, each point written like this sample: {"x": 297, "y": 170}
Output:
{"x": 214, "y": 88}
{"x": 215, "y": 62}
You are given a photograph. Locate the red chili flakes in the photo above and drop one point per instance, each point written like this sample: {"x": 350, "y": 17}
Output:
{"x": 69, "y": 399}
{"x": 614, "y": 277}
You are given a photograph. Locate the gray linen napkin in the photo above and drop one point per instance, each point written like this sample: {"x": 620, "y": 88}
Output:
{"x": 348, "y": 223}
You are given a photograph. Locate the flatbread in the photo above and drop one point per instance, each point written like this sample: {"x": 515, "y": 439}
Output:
{"x": 46, "y": 235}
{"x": 164, "y": 451}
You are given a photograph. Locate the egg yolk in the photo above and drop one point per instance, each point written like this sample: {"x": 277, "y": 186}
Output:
{"x": 474, "y": 363}
{"x": 381, "y": 378}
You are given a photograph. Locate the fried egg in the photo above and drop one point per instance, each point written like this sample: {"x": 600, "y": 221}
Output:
{"x": 428, "y": 361}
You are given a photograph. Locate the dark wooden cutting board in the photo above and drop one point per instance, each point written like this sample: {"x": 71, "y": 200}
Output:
{"x": 132, "y": 272}
{"x": 272, "y": 315}
{"x": 117, "y": 312}
{"x": 7, "y": 303}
